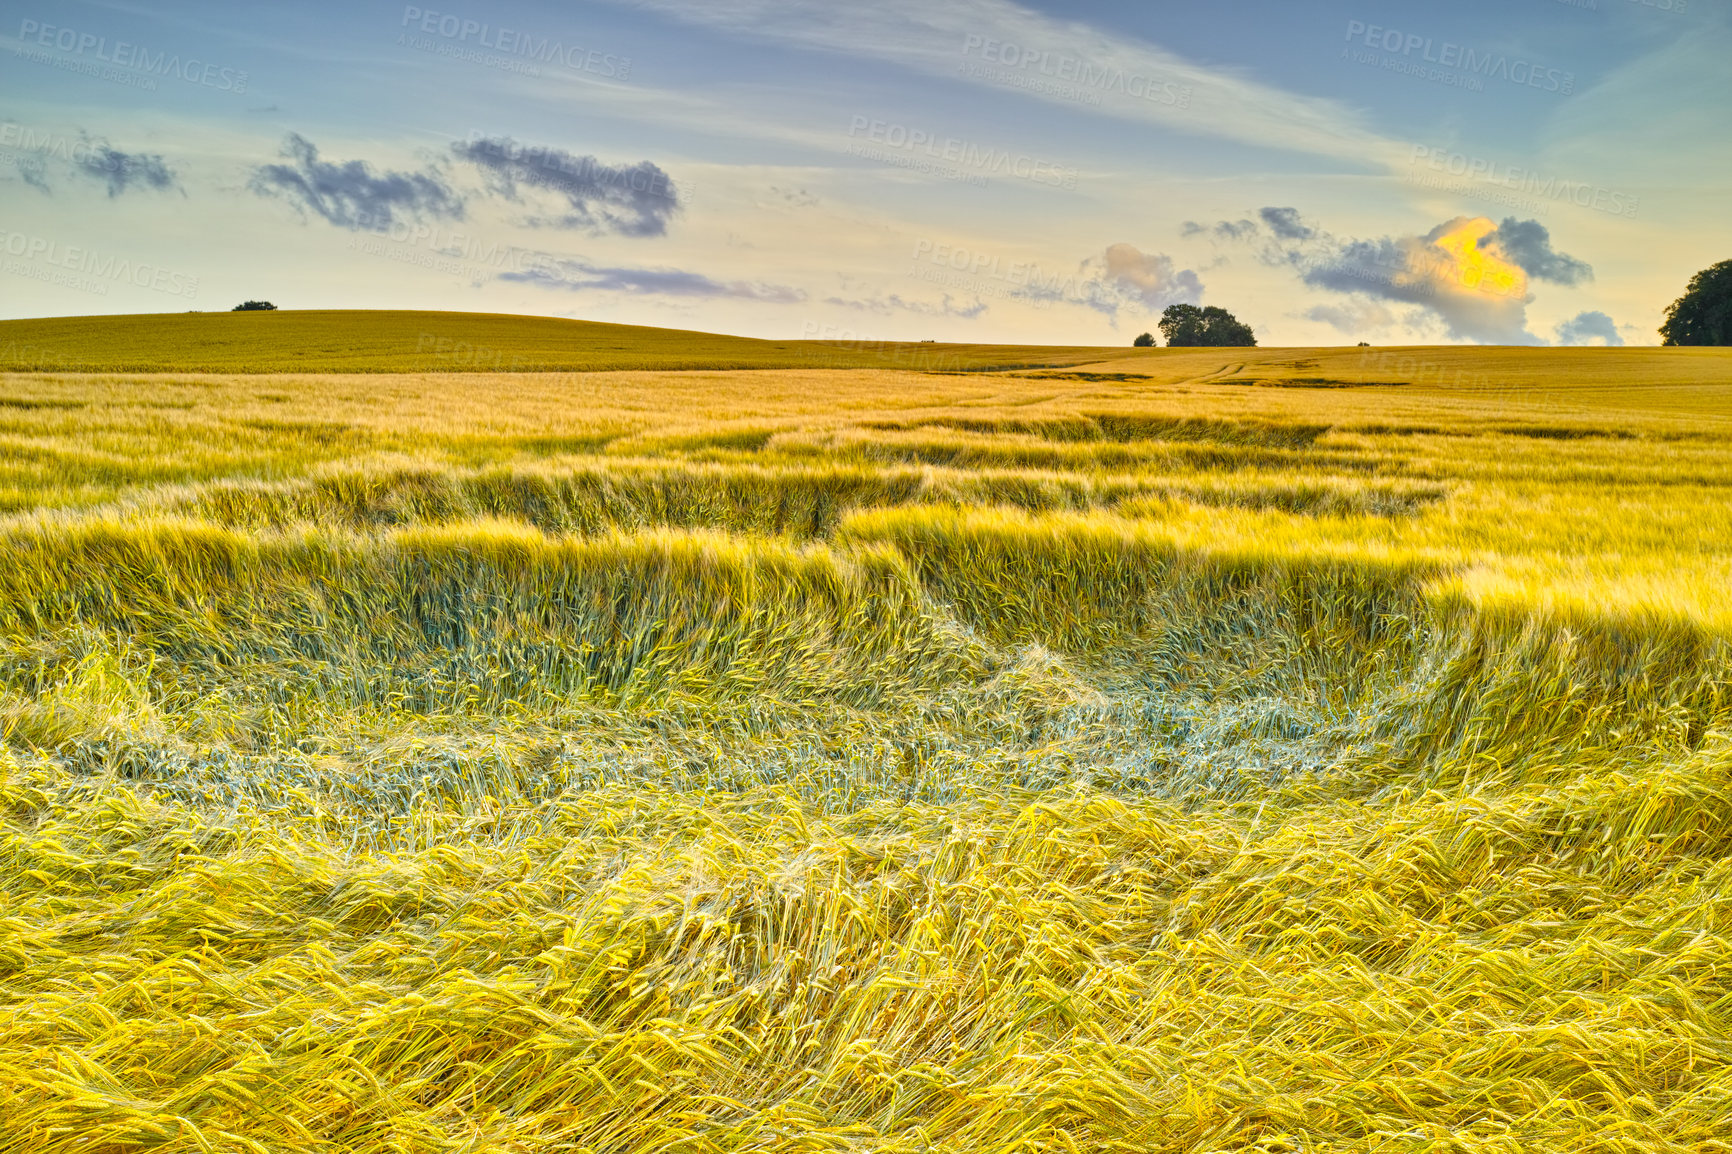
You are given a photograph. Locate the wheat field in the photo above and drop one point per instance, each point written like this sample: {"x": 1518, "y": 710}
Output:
{"x": 411, "y": 341}
{"x": 1186, "y": 750}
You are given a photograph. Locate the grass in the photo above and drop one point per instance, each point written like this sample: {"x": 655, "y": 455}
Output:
{"x": 397, "y": 341}
{"x": 1198, "y": 751}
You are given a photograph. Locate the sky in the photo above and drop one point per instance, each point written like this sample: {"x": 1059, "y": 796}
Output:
{"x": 1483, "y": 171}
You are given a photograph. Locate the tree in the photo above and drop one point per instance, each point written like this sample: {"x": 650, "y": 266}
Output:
{"x": 254, "y": 307}
{"x": 1187, "y": 326}
{"x": 1145, "y": 341}
{"x": 1703, "y": 315}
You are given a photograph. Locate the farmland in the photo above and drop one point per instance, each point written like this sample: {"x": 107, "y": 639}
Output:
{"x": 1062, "y": 749}
{"x": 396, "y": 341}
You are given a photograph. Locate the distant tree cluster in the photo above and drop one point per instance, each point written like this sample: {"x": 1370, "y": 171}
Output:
{"x": 1703, "y": 315}
{"x": 1187, "y": 326}
{"x": 254, "y": 307}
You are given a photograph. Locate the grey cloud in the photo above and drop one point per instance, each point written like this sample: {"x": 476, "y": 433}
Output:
{"x": 1286, "y": 224}
{"x": 33, "y": 172}
{"x": 1274, "y": 235}
{"x": 1378, "y": 268}
{"x": 1528, "y": 244}
{"x": 97, "y": 159}
{"x": 350, "y": 194}
{"x": 1589, "y": 328}
{"x": 123, "y": 170}
{"x": 629, "y": 200}
{"x": 1231, "y": 230}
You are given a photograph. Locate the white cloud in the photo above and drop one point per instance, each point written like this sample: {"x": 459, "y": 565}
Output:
{"x": 951, "y": 40}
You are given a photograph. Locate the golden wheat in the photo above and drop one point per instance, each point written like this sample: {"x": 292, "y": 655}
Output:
{"x": 1223, "y": 750}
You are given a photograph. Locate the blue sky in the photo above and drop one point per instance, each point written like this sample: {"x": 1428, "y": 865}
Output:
{"x": 1531, "y": 171}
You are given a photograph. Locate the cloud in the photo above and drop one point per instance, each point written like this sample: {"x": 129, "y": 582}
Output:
{"x": 1121, "y": 278}
{"x": 33, "y": 172}
{"x": 350, "y": 195}
{"x": 1456, "y": 271}
{"x": 1124, "y": 277}
{"x": 629, "y": 200}
{"x": 1228, "y": 230}
{"x": 1389, "y": 268}
{"x": 1286, "y": 224}
{"x": 1275, "y": 236}
{"x": 95, "y": 158}
{"x": 1135, "y": 79}
{"x": 1528, "y": 244}
{"x": 576, "y": 274}
{"x": 1469, "y": 273}
{"x": 123, "y": 170}
{"x": 1589, "y": 328}
{"x": 894, "y": 302}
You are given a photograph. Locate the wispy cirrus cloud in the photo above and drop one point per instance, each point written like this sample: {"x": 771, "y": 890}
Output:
{"x": 578, "y": 274}
{"x": 1135, "y": 79}
{"x": 891, "y": 303}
